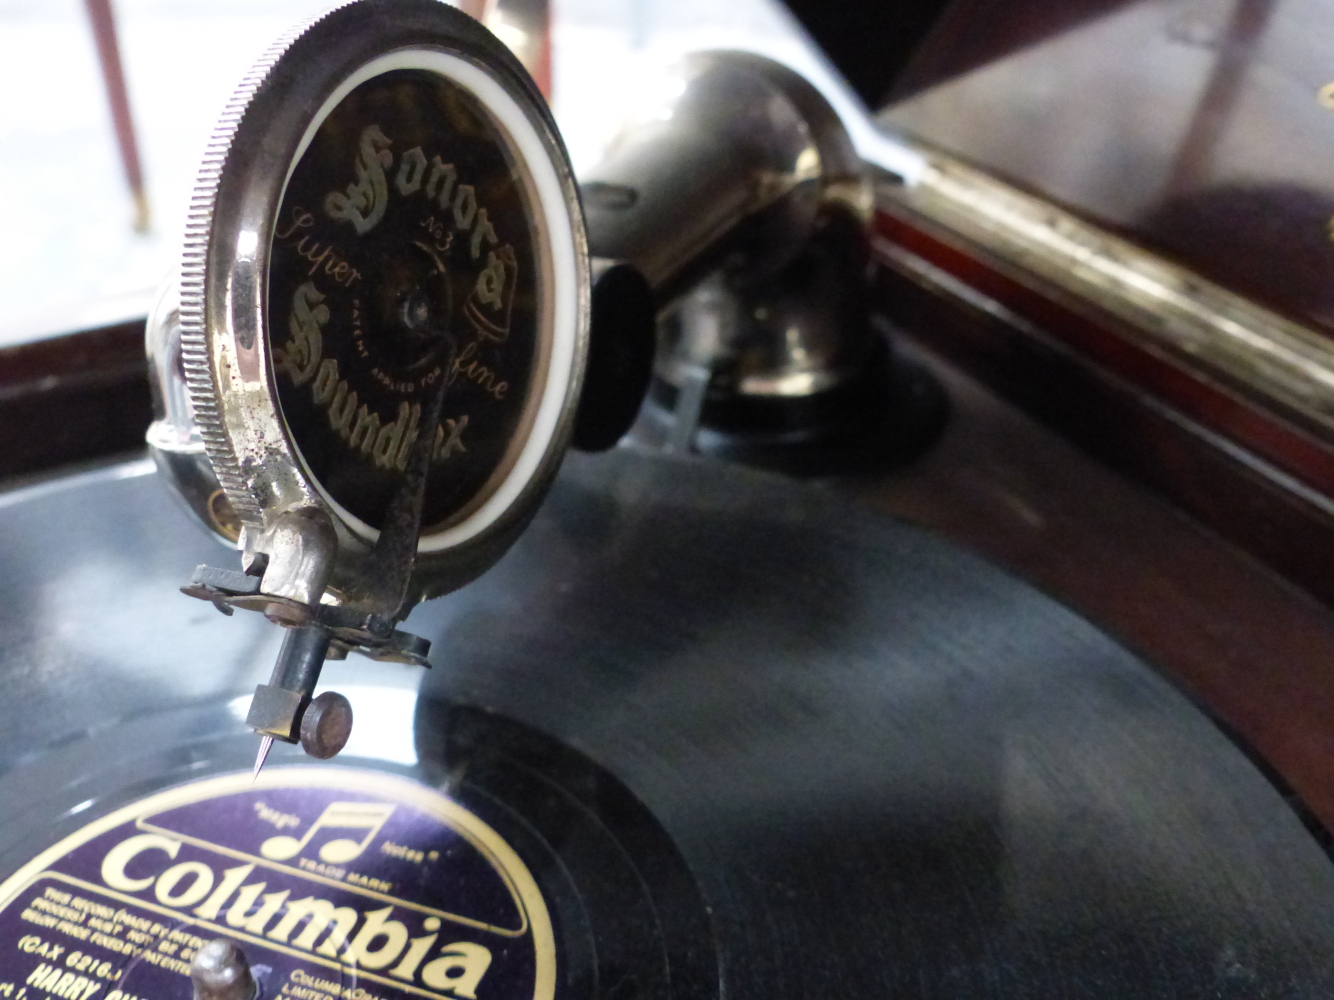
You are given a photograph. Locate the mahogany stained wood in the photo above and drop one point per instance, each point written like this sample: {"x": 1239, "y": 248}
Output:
{"x": 72, "y": 399}
{"x": 1200, "y": 129}
{"x": 1102, "y": 338}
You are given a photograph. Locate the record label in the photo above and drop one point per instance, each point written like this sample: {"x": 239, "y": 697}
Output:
{"x": 337, "y": 884}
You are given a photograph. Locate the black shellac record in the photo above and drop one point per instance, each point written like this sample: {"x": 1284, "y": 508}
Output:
{"x": 745, "y": 740}
{"x": 403, "y": 256}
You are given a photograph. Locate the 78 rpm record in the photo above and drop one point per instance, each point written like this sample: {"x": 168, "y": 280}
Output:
{"x": 701, "y": 733}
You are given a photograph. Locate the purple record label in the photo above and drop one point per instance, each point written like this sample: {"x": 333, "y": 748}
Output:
{"x": 337, "y": 884}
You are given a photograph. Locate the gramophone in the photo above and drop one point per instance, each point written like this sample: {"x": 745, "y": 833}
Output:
{"x": 740, "y": 685}
{"x": 396, "y": 310}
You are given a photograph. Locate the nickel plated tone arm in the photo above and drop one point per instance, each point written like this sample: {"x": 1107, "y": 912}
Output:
{"x": 394, "y": 314}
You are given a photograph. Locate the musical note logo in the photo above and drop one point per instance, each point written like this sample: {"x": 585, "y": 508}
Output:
{"x": 368, "y": 816}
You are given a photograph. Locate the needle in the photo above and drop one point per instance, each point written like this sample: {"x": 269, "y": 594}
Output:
{"x": 265, "y": 744}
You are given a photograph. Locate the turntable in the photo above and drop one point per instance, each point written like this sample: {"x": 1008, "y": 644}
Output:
{"x": 652, "y": 720}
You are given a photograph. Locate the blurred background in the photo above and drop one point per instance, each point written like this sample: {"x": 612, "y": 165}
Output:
{"x": 70, "y": 255}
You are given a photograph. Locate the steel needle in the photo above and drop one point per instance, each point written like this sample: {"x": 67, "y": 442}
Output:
{"x": 265, "y": 744}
